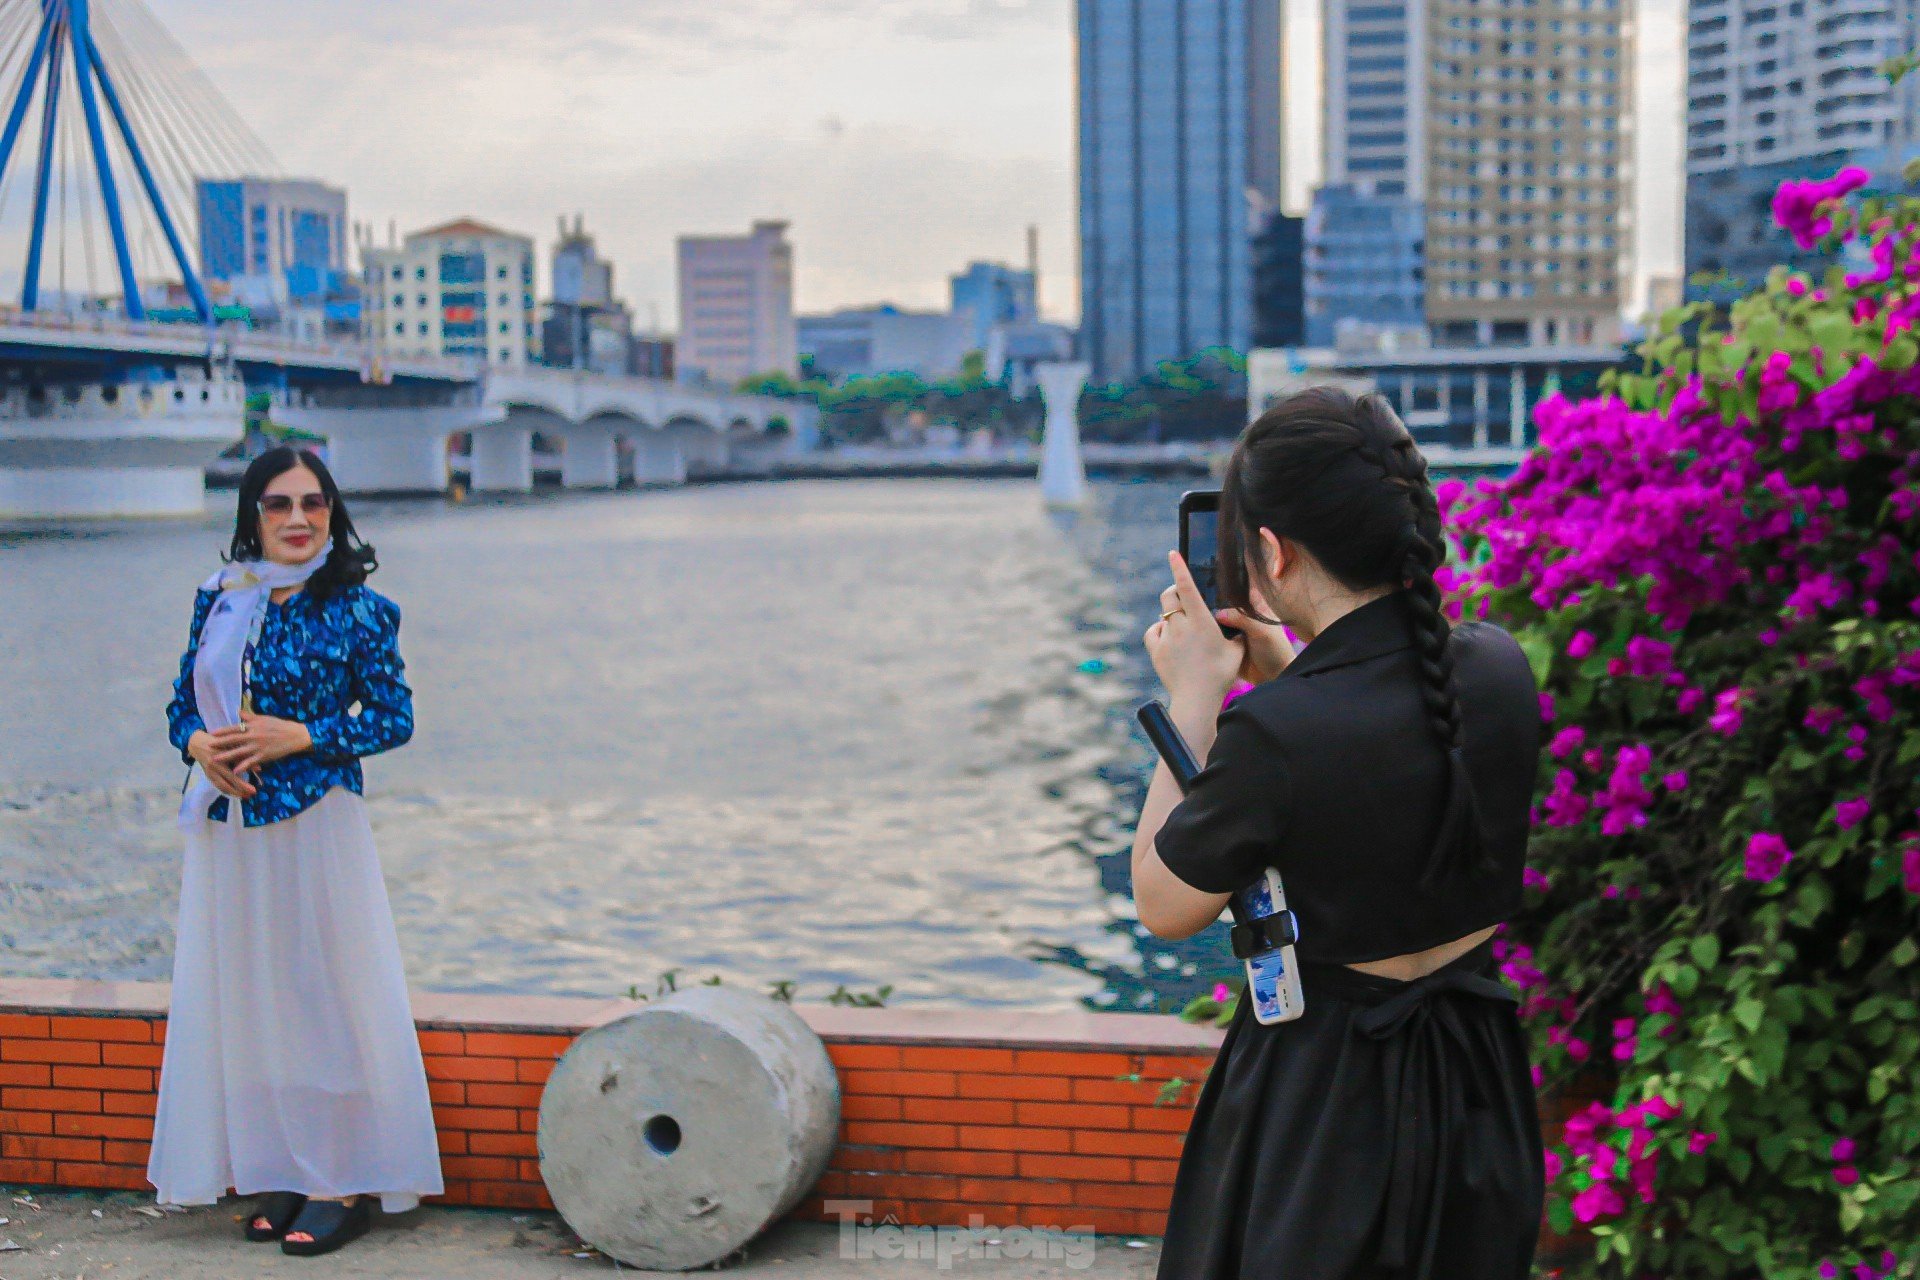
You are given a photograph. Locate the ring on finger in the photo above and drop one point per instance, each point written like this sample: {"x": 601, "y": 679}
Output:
{"x": 1169, "y": 613}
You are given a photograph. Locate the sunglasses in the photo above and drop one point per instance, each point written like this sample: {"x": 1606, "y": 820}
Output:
{"x": 281, "y": 504}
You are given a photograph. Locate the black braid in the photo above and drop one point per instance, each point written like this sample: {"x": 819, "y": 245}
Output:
{"x": 1343, "y": 477}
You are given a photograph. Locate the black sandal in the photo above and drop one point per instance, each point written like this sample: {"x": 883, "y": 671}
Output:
{"x": 279, "y": 1208}
{"x": 331, "y": 1224}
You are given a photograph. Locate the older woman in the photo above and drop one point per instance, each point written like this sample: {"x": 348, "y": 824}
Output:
{"x": 292, "y": 1070}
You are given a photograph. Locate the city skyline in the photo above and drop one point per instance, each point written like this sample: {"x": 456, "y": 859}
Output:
{"x": 900, "y": 145}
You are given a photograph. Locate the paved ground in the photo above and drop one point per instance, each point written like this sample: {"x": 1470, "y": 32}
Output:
{"x": 106, "y": 1236}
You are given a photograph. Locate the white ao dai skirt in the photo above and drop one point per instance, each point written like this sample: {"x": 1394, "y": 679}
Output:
{"x": 291, "y": 1061}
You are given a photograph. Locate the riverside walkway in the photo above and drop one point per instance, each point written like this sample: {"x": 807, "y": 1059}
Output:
{"x": 119, "y": 1235}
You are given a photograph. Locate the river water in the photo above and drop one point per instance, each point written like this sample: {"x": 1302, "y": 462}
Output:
{"x": 831, "y": 733}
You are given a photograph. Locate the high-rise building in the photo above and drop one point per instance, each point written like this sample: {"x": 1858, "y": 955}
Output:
{"x": 993, "y": 293}
{"x": 1783, "y": 89}
{"x": 463, "y": 289}
{"x": 1501, "y": 132}
{"x": 585, "y": 326}
{"x": 736, "y": 306}
{"x": 269, "y": 226}
{"x": 1279, "y": 282}
{"x": 580, "y": 275}
{"x": 1179, "y": 123}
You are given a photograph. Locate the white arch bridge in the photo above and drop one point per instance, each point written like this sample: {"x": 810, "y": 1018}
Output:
{"x": 607, "y": 429}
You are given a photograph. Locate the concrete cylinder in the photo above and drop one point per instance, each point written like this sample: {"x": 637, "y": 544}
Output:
{"x": 671, "y": 1137}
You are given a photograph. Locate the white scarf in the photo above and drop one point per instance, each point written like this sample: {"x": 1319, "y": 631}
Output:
{"x": 233, "y": 623}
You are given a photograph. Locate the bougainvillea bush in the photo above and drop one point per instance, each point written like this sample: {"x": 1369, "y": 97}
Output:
{"x": 1714, "y": 569}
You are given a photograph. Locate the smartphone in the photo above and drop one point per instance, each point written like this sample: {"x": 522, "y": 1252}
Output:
{"x": 1200, "y": 545}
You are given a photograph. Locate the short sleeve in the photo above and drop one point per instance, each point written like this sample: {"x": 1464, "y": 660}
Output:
{"x": 1227, "y": 829}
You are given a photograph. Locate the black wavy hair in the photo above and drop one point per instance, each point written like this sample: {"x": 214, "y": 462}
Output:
{"x": 1339, "y": 475}
{"x": 350, "y": 561}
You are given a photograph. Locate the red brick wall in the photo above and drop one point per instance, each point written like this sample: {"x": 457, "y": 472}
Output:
{"x": 1029, "y": 1119}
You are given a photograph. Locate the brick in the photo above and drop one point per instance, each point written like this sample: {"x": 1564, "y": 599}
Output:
{"x": 125, "y": 1152}
{"x": 1098, "y": 1143}
{"x": 37, "y": 1172}
{"x": 499, "y": 1168}
{"x": 1118, "y": 1222}
{"x": 882, "y": 1057}
{"x": 447, "y": 1093}
{"x": 128, "y": 1104}
{"x": 1042, "y": 1088}
{"x": 865, "y": 1107}
{"x": 957, "y": 1110}
{"x": 984, "y": 1164}
{"x": 924, "y": 1084}
{"x": 503, "y": 1095}
{"x": 160, "y": 1031}
{"x": 533, "y": 1072}
{"x": 898, "y": 1134}
{"x": 1096, "y": 1168}
{"x": 494, "y": 1195}
{"x": 50, "y": 1099}
{"x": 1117, "y": 1196}
{"x": 27, "y": 1146}
{"x": 1156, "y": 1172}
{"x": 911, "y": 1186}
{"x": 445, "y": 1042}
{"x": 496, "y": 1069}
{"x": 1073, "y": 1115}
{"x": 26, "y": 1122}
{"x": 103, "y": 1176}
{"x": 868, "y": 1159}
{"x": 503, "y": 1144}
{"x": 499, "y": 1044}
{"x": 32, "y": 1074}
{"x": 1142, "y": 1090}
{"x": 529, "y": 1122}
{"x": 530, "y": 1172}
{"x": 114, "y": 1054}
{"x": 452, "y": 1144}
{"x": 1016, "y": 1191}
{"x": 125, "y": 1079}
{"x": 84, "y": 1052}
{"x": 975, "y": 1137}
{"x": 25, "y": 1026}
{"x": 1070, "y": 1062}
{"x": 955, "y": 1058}
{"x": 135, "y": 1030}
{"x": 1163, "y": 1119}
{"x": 137, "y": 1128}
{"x": 486, "y": 1120}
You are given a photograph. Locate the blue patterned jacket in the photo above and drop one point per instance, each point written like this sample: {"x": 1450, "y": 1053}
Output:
{"x": 314, "y": 660}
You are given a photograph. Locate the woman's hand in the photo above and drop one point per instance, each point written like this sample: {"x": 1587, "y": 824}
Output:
{"x": 1268, "y": 649}
{"x": 1196, "y": 662}
{"x": 201, "y": 747}
{"x": 258, "y": 740}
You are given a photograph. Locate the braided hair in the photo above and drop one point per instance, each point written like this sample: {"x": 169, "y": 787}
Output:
{"x": 1339, "y": 476}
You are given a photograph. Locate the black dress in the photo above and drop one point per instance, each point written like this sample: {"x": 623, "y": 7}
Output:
{"x": 1391, "y": 1130}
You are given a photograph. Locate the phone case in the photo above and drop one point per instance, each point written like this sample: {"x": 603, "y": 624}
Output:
{"x": 1273, "y": 977}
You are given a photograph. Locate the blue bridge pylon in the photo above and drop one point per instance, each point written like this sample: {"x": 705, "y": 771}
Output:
{"x": 137, "y": 107}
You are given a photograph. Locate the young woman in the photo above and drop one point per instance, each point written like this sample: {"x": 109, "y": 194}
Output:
{"x": 1386, "y": 771}
{"x": 291, "y": 1067}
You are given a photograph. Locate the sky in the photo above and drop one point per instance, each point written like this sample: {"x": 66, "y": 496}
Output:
{"x": 901, "y": 138}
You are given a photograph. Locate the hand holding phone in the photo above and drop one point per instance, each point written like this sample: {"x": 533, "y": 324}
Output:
{"x": 1200, "y": 546}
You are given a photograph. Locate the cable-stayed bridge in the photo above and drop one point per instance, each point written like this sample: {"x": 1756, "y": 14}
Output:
{"x": 105, "y": 411}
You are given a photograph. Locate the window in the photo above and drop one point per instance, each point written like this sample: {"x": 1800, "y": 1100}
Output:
{"x": 400, "y": 327}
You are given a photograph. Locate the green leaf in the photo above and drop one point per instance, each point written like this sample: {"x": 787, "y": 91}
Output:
{"x": 1705, "y": 951}
{"x": 1749, "y": 1013}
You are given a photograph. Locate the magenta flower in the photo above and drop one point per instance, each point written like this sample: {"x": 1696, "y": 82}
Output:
{"x": 1851, "y": 813}
{"x": 1843, "y": 1150}
{"x": 1222, "y": 993}
{"x": 1601, "y": 1200}
{"x": 1699, "y": 1142}
{"x": 1726, "y": 717}
{"x": 1566, "y": 742}
{"x": 1581, "y": 645}
{"x": 1767, "y": 856}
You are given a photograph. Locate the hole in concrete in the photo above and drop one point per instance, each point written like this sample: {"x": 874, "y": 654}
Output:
{"x": 662, "y": 1134}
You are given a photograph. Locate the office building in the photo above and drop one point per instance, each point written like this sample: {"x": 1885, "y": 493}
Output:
{"x": 264, "y": 228}
{"x": 1779, "y": 90}
{"x": 864, "y": 341}
{"x": 463, "y": 289}
{"x": 1500, "y": 132}
{"x": 1279, "y": 282}
{"x": 585, "y": 326}
{"x": 1179, "y": 154}
{"x": 736, "y": 306}
{"x": 1365, "y": 267}
{"x": 993, "y": 293}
